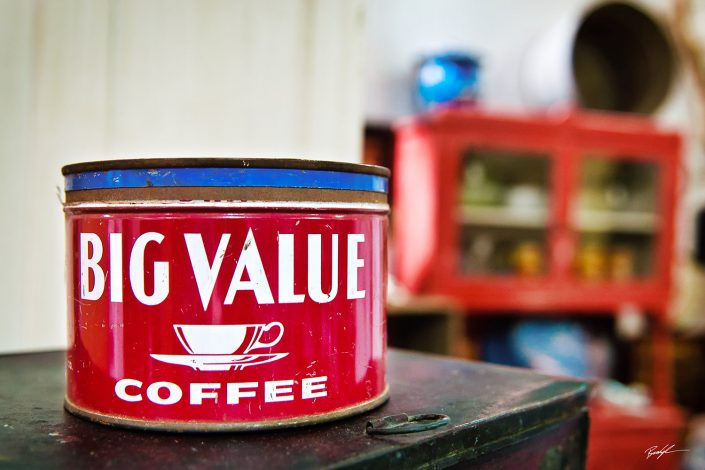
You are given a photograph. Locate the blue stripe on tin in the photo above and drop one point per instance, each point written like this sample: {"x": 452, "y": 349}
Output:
{"x": 274, "y": 177}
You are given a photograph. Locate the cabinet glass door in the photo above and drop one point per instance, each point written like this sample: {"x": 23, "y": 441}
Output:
{"x": 616, "y": 219}
{"x": 503, "y": 210}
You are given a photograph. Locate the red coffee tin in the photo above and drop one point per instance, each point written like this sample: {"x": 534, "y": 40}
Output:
{"x": 225, "y": 294}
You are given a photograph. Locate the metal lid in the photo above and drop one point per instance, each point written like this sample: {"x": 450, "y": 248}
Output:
{"x": 225, "y": 172}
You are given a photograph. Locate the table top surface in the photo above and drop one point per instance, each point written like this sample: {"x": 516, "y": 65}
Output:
{"x": 486, "y": 404}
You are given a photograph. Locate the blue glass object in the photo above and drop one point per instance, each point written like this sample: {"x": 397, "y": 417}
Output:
{"x": 551, "y": 346}
{"x": 447, "y": 78}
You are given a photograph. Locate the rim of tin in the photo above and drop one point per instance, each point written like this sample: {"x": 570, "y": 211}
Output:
{"x": 230, "y": 205}
{"x": 222, "y": 162}
{"x": 191, "y": 426}
{"x": 179, "y": 175}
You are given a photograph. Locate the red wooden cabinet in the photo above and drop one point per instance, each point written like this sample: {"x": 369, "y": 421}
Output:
{"x": 546, "y": 215}
{"x": 536, "y": 214}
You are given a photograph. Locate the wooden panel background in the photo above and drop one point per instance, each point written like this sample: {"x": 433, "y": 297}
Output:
{"x": 98, "y": 79}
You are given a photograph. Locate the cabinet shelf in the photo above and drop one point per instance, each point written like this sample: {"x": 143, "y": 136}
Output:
{"x": 588, "y": 220}
{"x": 504, "y": 217}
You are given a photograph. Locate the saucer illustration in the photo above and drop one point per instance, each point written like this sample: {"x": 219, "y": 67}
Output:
{"x": 216, "y": 362}
{"x": 224, "y": 347}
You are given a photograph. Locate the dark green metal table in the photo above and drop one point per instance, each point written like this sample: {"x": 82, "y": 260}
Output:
{"x": 500, "y": 418}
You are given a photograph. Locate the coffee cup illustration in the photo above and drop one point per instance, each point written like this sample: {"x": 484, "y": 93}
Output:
{"x": 228, "y": 339}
